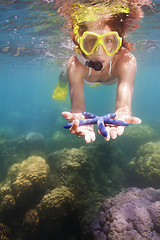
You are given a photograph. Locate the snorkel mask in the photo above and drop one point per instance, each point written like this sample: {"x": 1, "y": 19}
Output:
{"x": 89, "y": 42}
{"x": 110, "y": 41}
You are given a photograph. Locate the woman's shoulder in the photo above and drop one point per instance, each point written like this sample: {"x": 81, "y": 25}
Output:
{"x": 76, "y": 67}
{"x": 123, "y": 61}
{"x": 125, "y": 55}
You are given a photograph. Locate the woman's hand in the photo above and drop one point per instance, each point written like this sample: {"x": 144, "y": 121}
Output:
{"x": 114, "y": 131}
{"x": 86, "y": 131}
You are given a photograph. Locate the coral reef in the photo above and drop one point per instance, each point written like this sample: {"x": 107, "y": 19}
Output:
{"x": 79, "y": 178}
{"x": 133, "y": 214}
{"x": 31, "y": 178}
{"x": 134, "y": 137}
{"x": 57, "y": 203}
{"x": 145, "y": 167}
{"x": 15, "y": 150}
{"x": 34, "y": 141}
{"x": 49, "y": 198}
{"x": 59, "y": 141}
{"x": 5, "y": 232}
{"x": 55, "y": 210}
{"x": 31, "y": 220}
{"x": 86, "y": 170}
{"x": 24, "y": 181}
{"x": 7, "y": 202}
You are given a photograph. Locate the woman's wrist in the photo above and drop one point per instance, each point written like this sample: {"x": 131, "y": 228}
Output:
{"x": 122, "y": 112}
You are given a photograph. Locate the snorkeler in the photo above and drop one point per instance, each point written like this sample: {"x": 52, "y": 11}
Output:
{"x": 102, "y": 57}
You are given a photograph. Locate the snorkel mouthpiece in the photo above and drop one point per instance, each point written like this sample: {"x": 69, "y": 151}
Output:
{"x": 97, "y": 65}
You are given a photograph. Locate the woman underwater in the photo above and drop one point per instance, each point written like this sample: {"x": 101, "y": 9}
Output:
{"x": 102, "y": 57}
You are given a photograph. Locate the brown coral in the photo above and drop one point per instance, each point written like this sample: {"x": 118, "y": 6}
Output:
{"x": 58, "y": 203}
{"x": 31, "y": 220}
{"x": 7, "y": 201}
{"x": 146, "y": 165}
{"x": 5, "y": 233}
{"x": 31, "y": 178}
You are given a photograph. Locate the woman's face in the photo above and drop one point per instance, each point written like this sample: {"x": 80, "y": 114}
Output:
{"x": 99, "y": 53}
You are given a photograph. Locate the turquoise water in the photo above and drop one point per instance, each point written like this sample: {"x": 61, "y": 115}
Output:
{"x": 34, "y": 49}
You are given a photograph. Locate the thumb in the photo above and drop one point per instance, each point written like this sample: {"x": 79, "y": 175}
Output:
{"x": 67, "y": 115}
{"x": 133, "y": 120}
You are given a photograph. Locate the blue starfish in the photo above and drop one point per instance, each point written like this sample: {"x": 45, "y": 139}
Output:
{"x": 100, "y": 121}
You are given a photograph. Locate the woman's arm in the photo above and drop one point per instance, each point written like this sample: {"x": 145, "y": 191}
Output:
{"x": 127, "y": 72}
{"x": 75, "y": 79}
{"x": 76, "y": 72}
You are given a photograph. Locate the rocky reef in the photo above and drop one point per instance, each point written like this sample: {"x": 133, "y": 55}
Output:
{"x": 24, "y": 183}
{"x": 23, "y": 186}
{"x": 5, "y": 233}
{"x": 145, "y": 166}
{"x": 135, "y": 136}
{"x": 133, "y": 214}
{"x": 56, "y": 195}
{"x": 15, "y": 150}
{"x": 41, "y": 197}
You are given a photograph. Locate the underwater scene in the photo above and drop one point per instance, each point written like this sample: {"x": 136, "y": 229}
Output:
{"x": 54, "y": 185}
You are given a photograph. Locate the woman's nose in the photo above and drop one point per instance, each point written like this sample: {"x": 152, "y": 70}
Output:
{"x": 99, "y": 50}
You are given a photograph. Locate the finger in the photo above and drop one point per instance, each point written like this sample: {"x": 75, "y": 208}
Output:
{"x": 87, "y": 137}
{"x": 108, "y": 134}
{"x": 113, "y": 133}
{"x": 92, "y": 136}
{"x": 120, "y": 130}
{"x": 74, "y": 128}
{"x": 67, "y": 115}
{"x": 133, "y": 120}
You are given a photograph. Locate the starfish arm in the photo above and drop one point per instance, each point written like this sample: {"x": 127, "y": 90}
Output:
{"x": 101, "y": 127}
{"x": 89, "y": 115}
{"x": 84, "y": 122}
{"x": 109, "y": 115}
{"x": 115, "y": 122}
